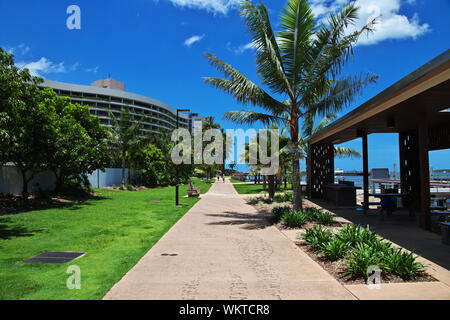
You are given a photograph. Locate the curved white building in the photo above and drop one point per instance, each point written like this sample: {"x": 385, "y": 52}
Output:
{"x": 110, "y": 95}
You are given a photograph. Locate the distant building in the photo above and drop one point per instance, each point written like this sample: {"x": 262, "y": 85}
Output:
{"x": 109, "y": 84}
{"x": 107, "y": 95}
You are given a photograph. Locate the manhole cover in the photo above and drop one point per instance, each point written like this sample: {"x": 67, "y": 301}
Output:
{"x": 55, "y": 257}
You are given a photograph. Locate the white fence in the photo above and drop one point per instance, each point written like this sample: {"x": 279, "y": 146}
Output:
{"x": 11, "y": 180}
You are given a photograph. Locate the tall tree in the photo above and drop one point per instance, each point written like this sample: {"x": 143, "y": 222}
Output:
{"x": 301, "y": 63}
{"x": 124, "y": 135}
{"x": 259, "y": 144}
{"x": 29, "y": 123}
{"x": 79, "y": 146}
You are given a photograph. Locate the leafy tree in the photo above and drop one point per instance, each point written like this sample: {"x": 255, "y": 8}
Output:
{"x": 29, "y": 124}
{"x": 154, "y": 172}
{"x": 209, "y": 124}
{"x": 79, "y": 146}
{"x": 163, "y": 141}
{"x": 301, "y": 63}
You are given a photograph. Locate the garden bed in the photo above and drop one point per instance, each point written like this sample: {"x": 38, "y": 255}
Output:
{"x": 17, "y": 204}
{"x": 337, "y": 270}
{"x": 343, "y": 249}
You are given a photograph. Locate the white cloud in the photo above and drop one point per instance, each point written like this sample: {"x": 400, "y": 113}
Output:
{"x": 21, "y": 49}
{"x": 92, "y": 70}
{"x": 391, "y": 24}
{"x": 190, "y": 41}
{"x": 215, "y": 6}
{"x": 240, "y": 49}
{"x": 45, "y": 66}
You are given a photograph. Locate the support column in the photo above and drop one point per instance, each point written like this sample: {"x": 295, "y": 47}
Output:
{"x": 424, "y": 168}
{"x": 401, "y": 149}
{"x": 308, "y": 172}
{"x": 363, "y": 135}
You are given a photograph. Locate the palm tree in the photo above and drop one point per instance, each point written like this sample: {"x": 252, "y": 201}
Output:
{"x": 124, "y": 135}
{"x": 257, "y": 143}
{"x": 300, "y": 63}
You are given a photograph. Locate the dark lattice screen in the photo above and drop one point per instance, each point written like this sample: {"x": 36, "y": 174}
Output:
{"x": 409, "y": 165}
{"x": 322, "y": 169}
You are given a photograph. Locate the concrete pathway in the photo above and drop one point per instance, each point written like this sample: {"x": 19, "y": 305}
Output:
{"x": 223, "y": 249}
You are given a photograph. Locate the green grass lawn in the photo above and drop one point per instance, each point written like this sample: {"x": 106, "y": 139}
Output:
{"x": 115, "y": 231}
{"x": 235, "y": 181}
{"x": 254, "y": 188}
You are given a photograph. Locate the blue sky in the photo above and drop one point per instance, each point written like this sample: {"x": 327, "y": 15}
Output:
{"x": 157, "y": 48}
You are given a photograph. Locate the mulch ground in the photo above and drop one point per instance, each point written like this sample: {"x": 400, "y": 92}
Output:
{"x": 17, "y": 204}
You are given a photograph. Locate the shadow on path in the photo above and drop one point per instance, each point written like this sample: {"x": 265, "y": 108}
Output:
{"x": 249, "y": 221}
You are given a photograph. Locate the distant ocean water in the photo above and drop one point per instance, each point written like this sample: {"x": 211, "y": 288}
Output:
{"x": 358, "y": 180}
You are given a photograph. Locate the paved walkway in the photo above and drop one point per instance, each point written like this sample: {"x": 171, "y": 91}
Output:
{"x": 223, "y": 249}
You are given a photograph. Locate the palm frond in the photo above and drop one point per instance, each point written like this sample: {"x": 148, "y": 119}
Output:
{"x": 297, "y": 23}
{"x": 241, "y": 88}
{"x": 251, "y": 117}
{"x": 342, "y": 93}
{"x": 268, "y": 57}
{"x": 344, "y": 152}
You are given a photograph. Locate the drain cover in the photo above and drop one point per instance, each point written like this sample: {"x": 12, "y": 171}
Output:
{"x": 55, "y": 257}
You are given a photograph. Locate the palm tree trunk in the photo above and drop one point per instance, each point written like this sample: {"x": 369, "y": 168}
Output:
{"x": 271, "y": 179}
{"x": 296, "y": 178}
{"x": 296, "y": 187}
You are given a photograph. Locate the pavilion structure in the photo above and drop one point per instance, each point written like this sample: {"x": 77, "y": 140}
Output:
{"x": 417, "y": 108}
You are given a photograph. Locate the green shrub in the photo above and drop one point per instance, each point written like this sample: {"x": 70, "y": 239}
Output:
{"x": 122, "y": 187}
{"x": 287, "y": 197}
{"x": 257, "y": 200}
{"x": 334, "y": 249}
{"x": 312, "y": 213}
{"x": 317, "y": 237}
{"x": 367, "y": 236}
{"x": 402, "y": 263}
{"x": 360, "y": 259}
{"x": 294, "y": 219}
{"x": 324, "y": 218}
{"x": 130, "y": 187}
{"x": 279, "y": 212}
{"x": 354, "y": 234}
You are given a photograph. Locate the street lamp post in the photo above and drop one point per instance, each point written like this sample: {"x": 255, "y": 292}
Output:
{"x": 176, "y": 166}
